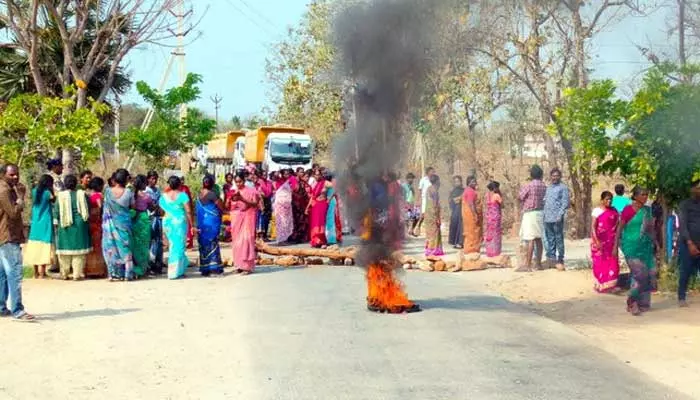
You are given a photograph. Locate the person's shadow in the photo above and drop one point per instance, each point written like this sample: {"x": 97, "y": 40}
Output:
{"x": 105, "y": 312}
{"x": 471, "y": 303}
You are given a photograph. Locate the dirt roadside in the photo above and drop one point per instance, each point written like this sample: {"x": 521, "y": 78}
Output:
{"x": 663, "y": 343}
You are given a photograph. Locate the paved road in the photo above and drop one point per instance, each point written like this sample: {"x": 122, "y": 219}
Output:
{"x": 298, "y": 334}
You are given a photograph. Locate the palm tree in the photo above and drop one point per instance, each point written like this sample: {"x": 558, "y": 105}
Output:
{"x": 15, "y": 76}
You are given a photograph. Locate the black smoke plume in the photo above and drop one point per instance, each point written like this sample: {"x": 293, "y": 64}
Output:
{"x": 384, "y": 50}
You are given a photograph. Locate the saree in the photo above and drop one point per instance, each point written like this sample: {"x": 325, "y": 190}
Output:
{"x": 334, "y": 228}
{"x": 606, "y": 268}
{"x": 116, "y": 235}
{"x": 456, "y": 232}
{"x": 226, "y": 219}
{"x": 190, "y": 235}
{"x": 243, "y": 223}
{"x": 95, "y": 266}
{"x": 209, "y": 224}
{"x": 317, "y": 215}
{"x": 176, "y": 227}
{"x": 433, "y": 236}
{"x": 637, "y": 245}
{"x": 155, "y": 250}
{"x": 140, "y": 241}
{"x": 264, "y": 214}
{"x": 300, "y": 200}
{"x": 494, "y": 231}
{"x": 39, "y": 248}
{"x": 282, "y": 209}
{"x": 472, "y": 220}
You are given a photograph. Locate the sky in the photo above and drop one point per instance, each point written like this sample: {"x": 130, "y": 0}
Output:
{"x": 232, "y": 41}
{"x": 234, "y": 37}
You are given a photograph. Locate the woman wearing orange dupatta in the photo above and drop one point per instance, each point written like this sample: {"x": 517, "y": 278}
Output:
{"x": 472, "y": 217}
{"x": 243, "y": 203}
{"x": 318, "y": 209}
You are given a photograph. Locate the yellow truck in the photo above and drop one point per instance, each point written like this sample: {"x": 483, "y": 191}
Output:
{"x": 278, "y": 147}
{"x": 221, "y": 151}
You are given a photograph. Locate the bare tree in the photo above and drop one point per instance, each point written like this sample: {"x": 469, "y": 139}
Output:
{"x": 543, "y": 46}
{"x": 115, "y": 27}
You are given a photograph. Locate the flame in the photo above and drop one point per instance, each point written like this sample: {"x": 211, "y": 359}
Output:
{"x": 384, "y": 292}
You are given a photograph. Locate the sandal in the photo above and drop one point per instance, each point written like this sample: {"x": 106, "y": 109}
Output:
{"x": 25, "y": 317}
{"x": 523, "y": 269}
{"x": 5, "y": 313}
{"x": 633, "y": 308}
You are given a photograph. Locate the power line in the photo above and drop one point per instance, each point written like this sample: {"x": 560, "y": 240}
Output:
{"x": 258, "y": 13}
{"x": 251, "y": 20}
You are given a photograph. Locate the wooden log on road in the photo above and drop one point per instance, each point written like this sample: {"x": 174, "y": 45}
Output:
{"x": 335, "y": 254}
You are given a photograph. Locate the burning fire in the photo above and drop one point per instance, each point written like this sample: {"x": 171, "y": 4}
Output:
{"x": 385, "y": 293}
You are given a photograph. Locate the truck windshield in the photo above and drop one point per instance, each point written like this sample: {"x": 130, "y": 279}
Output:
{"x": 290, "y": 150}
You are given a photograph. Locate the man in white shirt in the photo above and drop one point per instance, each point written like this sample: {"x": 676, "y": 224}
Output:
{"x": 423, "y": 186}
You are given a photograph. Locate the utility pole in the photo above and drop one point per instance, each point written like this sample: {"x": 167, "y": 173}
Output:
{"x": 117, "y": 120}
{"x": 216, "y": 99}
{"x": 178, "y": 54}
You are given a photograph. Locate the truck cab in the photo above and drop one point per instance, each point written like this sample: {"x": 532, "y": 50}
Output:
{"x": 277, "y": 147}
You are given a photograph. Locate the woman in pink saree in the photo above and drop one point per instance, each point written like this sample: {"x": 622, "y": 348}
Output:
{"x": 318, "y": 210}
{"x": 606, "y": 268}
{"x": 243, "y": 202}
{"x": 282, "y": 209}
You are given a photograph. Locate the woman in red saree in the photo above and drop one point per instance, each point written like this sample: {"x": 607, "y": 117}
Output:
{"x": 243, "y": 203}
{"x": 95, "y": 266}
{"x": 318, "y": 208}
{"x": 606, "y": 268}
{"x": 300, "y": 202}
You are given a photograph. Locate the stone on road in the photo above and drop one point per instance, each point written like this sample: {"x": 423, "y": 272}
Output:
{"x": 299, "y": 334}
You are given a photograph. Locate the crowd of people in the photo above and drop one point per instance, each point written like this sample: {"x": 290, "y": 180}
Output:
{"x": 623, "y": 228}
{"x": 631, "y": 226}
{"x": 89, "y": 227}
{"x": 468, "y": 228}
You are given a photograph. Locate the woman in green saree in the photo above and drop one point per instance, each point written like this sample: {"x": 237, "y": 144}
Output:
{"x": 636, "y": 239}
{"x": 141, "y": 226}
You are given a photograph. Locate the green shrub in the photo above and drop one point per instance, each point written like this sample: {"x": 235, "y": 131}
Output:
{"x": 668, "y": 278}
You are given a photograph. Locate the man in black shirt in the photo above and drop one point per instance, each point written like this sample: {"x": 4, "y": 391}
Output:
{"x": 689, "y": 241}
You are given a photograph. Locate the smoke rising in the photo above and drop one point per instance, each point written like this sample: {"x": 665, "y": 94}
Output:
{"x": 384, "y": 52}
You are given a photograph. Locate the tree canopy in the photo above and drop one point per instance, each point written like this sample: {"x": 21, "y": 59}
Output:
{"x": 168, "y": 132}
{"x": 33, "y": 127}
{"x": 659, "y": 147}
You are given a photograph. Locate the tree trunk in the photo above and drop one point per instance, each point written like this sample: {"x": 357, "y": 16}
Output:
{"x": 340, "y": 253}
{"x": 549, "y": 146}
{"x": 82, "y": 99}
{"x": 582, "y": 202}
{"x": 33, "y": 55}
{"x": 580, "y": 37}
{"x": 661, "y": 226}
{"x": 68, "y": 161}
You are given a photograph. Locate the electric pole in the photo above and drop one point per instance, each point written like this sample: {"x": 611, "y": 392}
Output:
{"x": 216, "y": 99}
{"x": 117, "y": 119}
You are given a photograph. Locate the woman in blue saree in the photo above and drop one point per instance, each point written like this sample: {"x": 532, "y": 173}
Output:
{"x": 178, "y": 218}
{"x": 116, "y": 228}
{"x": 334, "y": 230}
{"x": 209, "y": 211}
